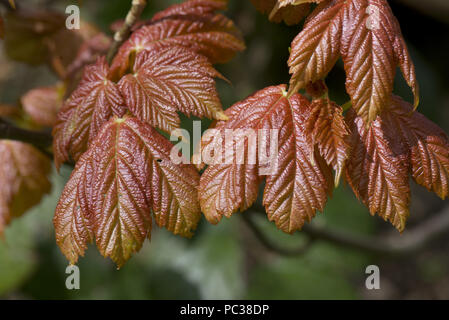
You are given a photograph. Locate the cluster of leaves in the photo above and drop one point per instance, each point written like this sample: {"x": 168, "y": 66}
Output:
{"x": 112, "y": 123}
{"x": 123, "y": 175}
{"x": 379, "y": 142}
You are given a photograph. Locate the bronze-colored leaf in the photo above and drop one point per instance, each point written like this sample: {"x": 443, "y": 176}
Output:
{"x": 317, "y": 47}
{"x": 193, "y": 24}
{"x": 366, "y": 34}
{"x": 428, "y": 145}
{"x": 326, "y": 128}
{"x": 93, "y": 103}
{"x": 42, "y": 104}
{"x": 72, "y": 224}
{"x": 24, "y": 179}
{"x": 378, "y": 169}
{"x": 167, "y": 80}
{"x": 295, "y": 188}
{"x": 131, "y": 175}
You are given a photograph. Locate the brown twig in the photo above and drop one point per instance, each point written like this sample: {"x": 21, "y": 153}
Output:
{"x": 9, "y": 5}
{"x": 123, "y": 33}
{"x": 412, "y": 241}
{"x": 268, "y": 243}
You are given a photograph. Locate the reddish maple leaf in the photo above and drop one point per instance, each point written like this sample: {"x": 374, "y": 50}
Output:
{"x": 92, "y": 104}
{"x": 193, "y": 24}
{"x": 377, "y": 170}
{"x": 366, "y": 34}
{"x": 428, "y": 145}
{"x": 399, "y": 142}
{"x": 167, "y": 80}
{"x": 129, "y": 175}
{"x": 296, "y": 187}
{"x": 24, "y": 179}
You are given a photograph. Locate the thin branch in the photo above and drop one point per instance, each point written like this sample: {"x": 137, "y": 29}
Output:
{"x": 121, "y": 35}
{"x": 39, "y": 139}
{"x": 270, "y": 245}
{"x": 10, "y": 5}
{"x": 413, "y": 240}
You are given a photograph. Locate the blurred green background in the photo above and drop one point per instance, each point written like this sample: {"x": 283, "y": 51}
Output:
{"x": 227, "y": 261}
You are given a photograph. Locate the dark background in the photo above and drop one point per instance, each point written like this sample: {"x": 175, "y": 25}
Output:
{"x": 228, "y": 261}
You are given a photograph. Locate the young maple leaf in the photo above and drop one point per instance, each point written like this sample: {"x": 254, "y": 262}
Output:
{"x": 326, "y": 128}
{"x": 193, "y": 24}
{"x": 124, "y": 176}
{"x": 92, "y": 104}
{"x": 24, "y": 179}
{"x": 289, "y": 11}
{"x": 428, "y": 146}
{"x": 171, "y": 79}
{"x": 42, "y": 104}
{"x": 366, "y": 34}
{"x": 72, "y": 223}
{"x": 297, "y": 187}
{"x": 399, "y": 142}
{"x": 377, "y": 170}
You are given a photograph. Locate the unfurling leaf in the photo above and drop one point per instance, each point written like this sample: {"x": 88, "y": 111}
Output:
{"x": 366, "y": 34}
{"x": 42, "y": 104}
{"x": 92, "y": 104}
{"x": 295, "y": 187}
{"x": 167, "y": 80}
{"x": 193, "y": 24}
{"x": 130, "y": 175}
{"x": 326, "y": 128}
{"x": 24, "y": 179}
{"x": 289, "y": 11}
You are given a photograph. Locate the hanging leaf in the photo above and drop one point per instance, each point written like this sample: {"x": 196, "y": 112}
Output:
{"x": 72, "y": 223}
{"x": 366, "y": 34}
{"x": 326, "y": 128}
{"x": 167, "y": 80}
{"x": 92, "y": 104}
{"x": 378, "y": 170}
{"x": 193, "y": 24}
{"x": 129, "y": 175}
{"x": 24, "y": 179}
{"x": 428, "y": 145}
{"x": 295, "y": 188}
